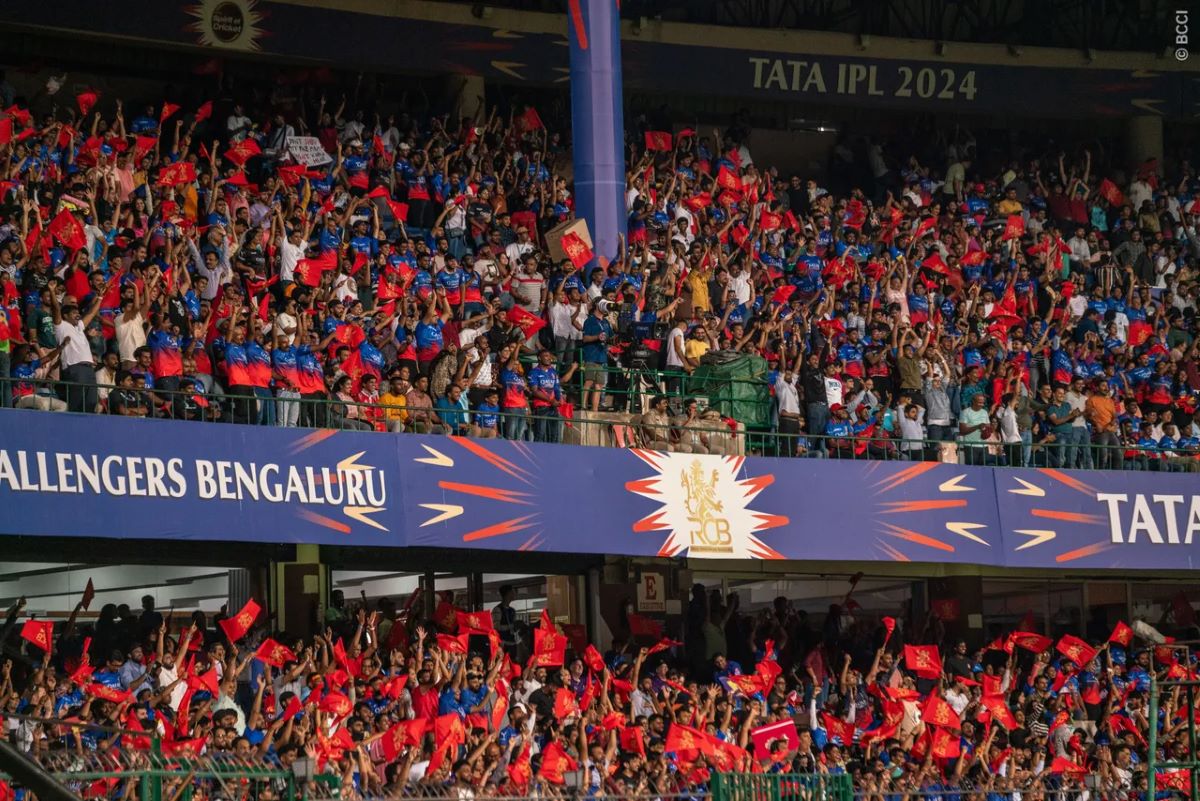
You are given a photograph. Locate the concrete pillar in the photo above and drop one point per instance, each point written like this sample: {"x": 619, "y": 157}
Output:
{"x": 1143, "y": 140}
{"x": 598, "y": 121}
{"x": 464, "y": 93}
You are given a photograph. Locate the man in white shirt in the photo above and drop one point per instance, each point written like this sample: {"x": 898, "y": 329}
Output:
{"x": 238, "y": 124}
{"x": 519, "y": 248}
{"x": 78, "y": 366}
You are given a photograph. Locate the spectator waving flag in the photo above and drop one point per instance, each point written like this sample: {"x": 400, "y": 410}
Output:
{"x": 86, "y": 99}
{"x": 924, "y": 660}
{"x": 576, "y": 249}
{"x": 529, "y": 323}
{"x": 204, "y": 112}
{"x": 68, "y": 230}
{"x": 1109, "y": 191}
{"x": 241, "y": 152}
{"x": 167, "y": 110}
{"x": 530, "y": 120}
{"x": 1014, "y": 227}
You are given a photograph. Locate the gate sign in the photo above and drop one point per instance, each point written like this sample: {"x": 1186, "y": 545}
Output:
{"x": 87, "y": 476}
{"x": 307, "y": 150}
{"x": 651, "y": 593}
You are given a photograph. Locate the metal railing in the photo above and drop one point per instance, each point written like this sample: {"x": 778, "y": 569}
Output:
{"x": 782, "y": 787}
{"x": 550, "y": 424}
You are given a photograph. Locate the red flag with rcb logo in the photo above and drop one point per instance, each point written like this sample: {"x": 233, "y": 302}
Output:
{"x": 592, "y": 658}
{"x": 945, "y": 744}
{"x": 395, "y": 739}
{"x": 999, "y": 711}
{"x": 889, "y": 626}
{"x": 631, "y": 740}
{"x": 663, "y": 645}
{"x": 335, "y": 703}
{"x": 520, "y": 771}
{"x": 204, "y": 112}
{"x": 274, "y": 654}
{"x": 142, "y": 145}
{"x": 106, "y": 693}
{"x": 474, "y": 621}
{"x": 658, "y": 140}
{"x": 727, "y": 179}
{"x": 576, "y": 249}
{"x": 1075, "y": 649}
{"x": 939, "y": 713}
{"x": 308, "y": 271}
{"x": 449, "y": 729}
{"x": 181, "y": 172}
{"x": 399, "y": 210}
{"x": 556, "y": 762}
{"x": 1064, "y": 765}
{"x": 236, "y": 627}
{"x": 167, "y": 110}
{"x": 68, "y": 230}
{"x": 924, "y": 660}
{"x": 39, "y": 632}
{"x": 1110, "y": 192}
{"x": 837, "y": 729}
{"x": 243, "y": 151}
{"x": 450, "y": 644}
{"x": 565, "y": 704}
{"x": 1035, "y": 643}
{"x": 1014, "y": 228}
{"x": 1121, "y": 634}
{"x": 529, "y": 324}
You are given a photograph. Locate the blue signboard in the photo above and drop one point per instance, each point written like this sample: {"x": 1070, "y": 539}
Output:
{"x": 72, "y": 475}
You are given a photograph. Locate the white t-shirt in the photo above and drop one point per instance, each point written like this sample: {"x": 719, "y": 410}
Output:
{"x": 284, "y": 321}
{"x": 75, "y": 344}
{"x": 289, "y": 256}
{"x": 674, "y": 340}
{"x": 131, "y": 335}
{"x": 833, "y": 391}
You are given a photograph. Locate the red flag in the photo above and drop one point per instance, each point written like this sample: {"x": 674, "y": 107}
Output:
{"x": 783, "y": 294}
{"x": 6, "y": 130}
{"x": 520, "y": 771}
{"x": 167, "y": 110}
{"x": 592, "y": 658}
{"x": 924, "y": 660}
{"x": 39, "y": 632}
{"x": 727, "y": 179}
{"x": 658, "y": 140}
{"x": 1035, "y": 643}
{"x": 632, "y": 742}
{"x": 529, "y": 324}
{"x": 555, "y": 762}
{"x": 682, "y": 740}
{"x": 89, "y": 592}
{"x": 836, "y": 728}
{"x": 308, "y": 271}
{"x": 576, "y": 249}
{"x": 1110, "y": 192}
{"x": 1014, "y": 228}
{"x": 450, "y": 644}
{"x": 945, "y": 744}
{"x": 973, "y": 258}
{"x": 107, "y": 693}
{"x": 236, "y": 627}
{"x": 474, "y": 621}
{"x": 142, "y": 145}
{"x": 399, "y": 210}
{"x": 336, "y": 704}
{"x": 204, "y": 112}
{"x": 530, "y": 120}
{"x": 1075, "y": 649}
{"x": 764, "y": 736}
{"x": 243, "y": 151}
{"x": 274, "y": 654}
{"x": 1121, "y": 634}
{"x": 999, "y": 711}
{"x": 663, "y": 645}
{"x": 565, "y": 704}
{"x": 68, "y": 230}
{"x": 449, "y": 729}
{"x": 1064, "y": 765}
{"x": 939, "y": 713}
{"x": 86, "y": 99}
{"x": 395, "y": 739}
{"x": 181, "y": 172}
{"x": 924, "y": 227}
{"x": 889, "y": 625}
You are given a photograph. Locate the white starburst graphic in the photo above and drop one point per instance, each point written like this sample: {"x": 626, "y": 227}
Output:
{"x": 231, "y": 24}
{"x": 705, "y": 506}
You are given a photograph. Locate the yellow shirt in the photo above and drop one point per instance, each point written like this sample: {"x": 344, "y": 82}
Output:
{"x": 697, "y": 282}
{"x": 1009, "y": 207}
{"x": 695, "y": 348}
{"x": 394, "y": 407}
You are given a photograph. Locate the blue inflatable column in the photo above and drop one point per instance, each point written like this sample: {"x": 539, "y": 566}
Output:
{"x": 598, "y": 120}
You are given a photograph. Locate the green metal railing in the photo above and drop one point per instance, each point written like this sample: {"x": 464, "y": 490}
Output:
{"x": 637, "y": 430}
{"x": 1190, "y": 690}
{"x": 142, "y": 763}
{"x": 782, "y": 787}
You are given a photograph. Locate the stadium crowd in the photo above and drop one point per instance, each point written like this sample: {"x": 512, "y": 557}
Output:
{"x": 467, "y": 704}
{"x": 163, "y": 261}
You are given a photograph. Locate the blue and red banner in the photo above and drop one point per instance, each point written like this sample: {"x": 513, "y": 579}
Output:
{"x": 83, "y": 476}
